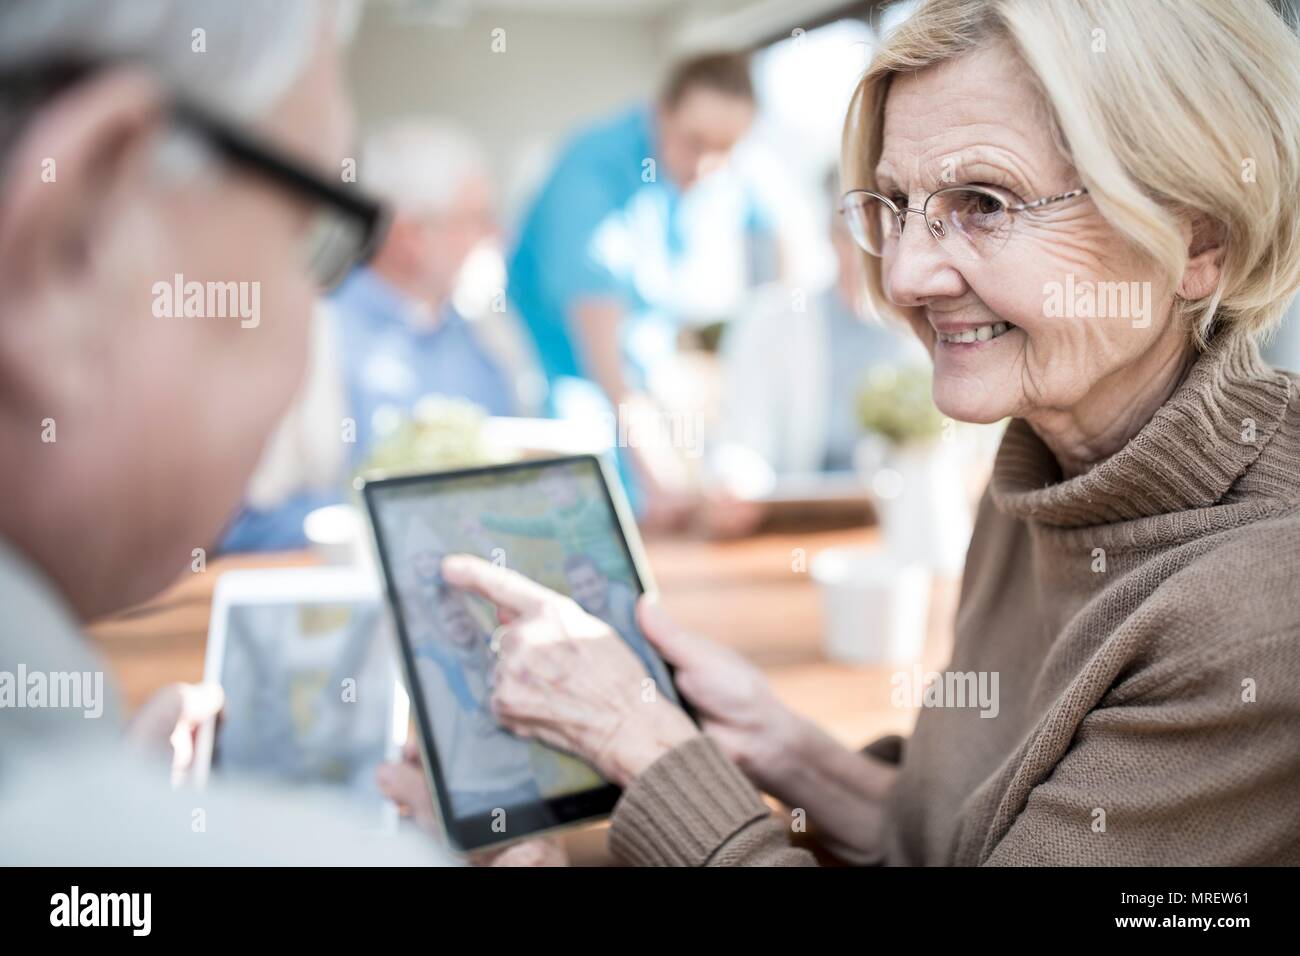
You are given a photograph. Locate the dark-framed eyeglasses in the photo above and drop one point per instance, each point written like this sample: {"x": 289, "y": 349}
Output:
{"x": 969, "y": 221}
{"x": 348, "y": 227}
{"x": 349, "y": 224}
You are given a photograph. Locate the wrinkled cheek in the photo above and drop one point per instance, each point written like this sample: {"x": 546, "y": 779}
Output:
{"x": 1018, "y": 290}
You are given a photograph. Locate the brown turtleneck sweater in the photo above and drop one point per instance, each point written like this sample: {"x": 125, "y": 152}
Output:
{"x": 1144, "y": 621}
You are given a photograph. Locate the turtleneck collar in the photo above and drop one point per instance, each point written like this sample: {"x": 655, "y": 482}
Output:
{"x": 1195, "y": 447}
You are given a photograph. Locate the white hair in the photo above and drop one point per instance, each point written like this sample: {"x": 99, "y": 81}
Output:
{"x": 419, "y": 164}
{"x": 247, "y": 54}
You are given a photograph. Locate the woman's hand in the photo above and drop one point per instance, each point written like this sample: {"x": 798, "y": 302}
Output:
{"x": 840, "y": 791}
{"x": 567, "y": 679}
{"x": 730, "y": 695}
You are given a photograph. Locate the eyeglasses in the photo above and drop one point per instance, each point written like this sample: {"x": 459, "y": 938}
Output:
{"x": 348, "y": 226}
{"x": 970, "y": 222}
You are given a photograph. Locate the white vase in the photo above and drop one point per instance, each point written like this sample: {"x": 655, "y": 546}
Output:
{"x": 919, "y": 492}
{"x": 339, "y": 535}
{"x": 874, "y": 608}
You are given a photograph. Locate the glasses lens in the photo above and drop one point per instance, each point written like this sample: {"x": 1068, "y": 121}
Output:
{"x": 871, "y": 221}
{"x": 334, "y": 244}
{"x": 971, "y": 222}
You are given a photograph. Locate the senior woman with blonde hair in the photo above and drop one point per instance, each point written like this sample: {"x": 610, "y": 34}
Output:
{"x": 1086, "y": 210}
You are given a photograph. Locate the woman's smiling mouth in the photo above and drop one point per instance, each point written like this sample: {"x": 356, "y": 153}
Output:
{"x": 973, "y": 334}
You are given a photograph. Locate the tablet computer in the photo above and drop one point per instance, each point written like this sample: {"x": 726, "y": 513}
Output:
{"x": 562, "y": 522}
{"x": 313, "y": 692}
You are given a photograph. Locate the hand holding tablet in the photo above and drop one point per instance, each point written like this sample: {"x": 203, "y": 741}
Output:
{"x": 556, "y": 578}
{"x": 566, "y": 678}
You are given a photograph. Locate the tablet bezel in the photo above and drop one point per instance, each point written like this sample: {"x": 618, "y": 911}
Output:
{"x": 466, "y": 834}
{"x": 291, "y": 585}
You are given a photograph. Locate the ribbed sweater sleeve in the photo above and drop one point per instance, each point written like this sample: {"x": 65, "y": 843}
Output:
{"x": 693, "y": 807}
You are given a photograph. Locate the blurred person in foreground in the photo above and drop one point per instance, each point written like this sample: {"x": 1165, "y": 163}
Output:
{"x": 632, "y": 205}
{"x": 129, "y": 428}
{"x": 389, "y": 336}
{"x": 1068, "y": 234}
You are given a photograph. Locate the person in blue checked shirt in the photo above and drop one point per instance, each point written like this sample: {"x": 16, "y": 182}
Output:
{"x": 396, "y": 334}
{"x": 632, "y": 206}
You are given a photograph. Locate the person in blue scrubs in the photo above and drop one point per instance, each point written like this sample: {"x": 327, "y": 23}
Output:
{"x": 399, "y": 336}
{"x": 594, "y": 274}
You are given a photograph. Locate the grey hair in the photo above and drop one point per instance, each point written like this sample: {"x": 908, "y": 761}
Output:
{"x": 252, "y": 49}
{"x": 419, "y": 165}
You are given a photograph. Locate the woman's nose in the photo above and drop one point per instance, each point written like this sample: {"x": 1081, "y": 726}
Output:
{"x": 917, "y": 270}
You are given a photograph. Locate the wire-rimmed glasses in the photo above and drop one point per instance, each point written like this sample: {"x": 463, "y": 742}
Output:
{"x": 969, "y": 221}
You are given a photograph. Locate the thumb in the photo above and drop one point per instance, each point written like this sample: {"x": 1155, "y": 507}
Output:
{"x": 401, "y": 783}
{"x": 676, "y": 646}
{"x": 195, "y": 703}
{"x": 406, "y": 786}
{"x": 200, "y": 702}
{"x": 171, "y": 707}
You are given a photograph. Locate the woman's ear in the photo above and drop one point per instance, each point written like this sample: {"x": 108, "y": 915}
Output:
{"x": 70, "y": 160}
{"x": 1204, "y": 260}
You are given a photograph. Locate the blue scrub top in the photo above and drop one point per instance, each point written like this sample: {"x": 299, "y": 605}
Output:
{"x": 609, "y": 223}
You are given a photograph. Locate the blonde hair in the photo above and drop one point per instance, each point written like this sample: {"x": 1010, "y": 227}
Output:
{"x": 1170, "y": 112}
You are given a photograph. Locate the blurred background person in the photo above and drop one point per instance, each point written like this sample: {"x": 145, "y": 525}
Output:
{"x": 391, "y": 335}
{"x": 631, "y": 205}
{"x": 793, "y": 368}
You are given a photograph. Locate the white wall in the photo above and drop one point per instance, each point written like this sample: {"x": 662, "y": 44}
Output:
{"x": 558, "y": 71}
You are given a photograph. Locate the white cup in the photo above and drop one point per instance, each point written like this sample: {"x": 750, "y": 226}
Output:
{"x": 875, "y": 608}
{"x": 338, "y": 535}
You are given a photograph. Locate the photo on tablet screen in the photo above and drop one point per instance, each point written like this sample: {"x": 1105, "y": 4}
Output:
{"x": 554, "y": 522}
{"x": 309, "y": 683}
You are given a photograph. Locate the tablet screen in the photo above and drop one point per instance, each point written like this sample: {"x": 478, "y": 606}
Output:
{"x": 554, "y": 522}
{"x": 308, "y": 690}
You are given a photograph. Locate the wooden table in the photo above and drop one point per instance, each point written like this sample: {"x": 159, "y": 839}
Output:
{"x": 753, "y": 594}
